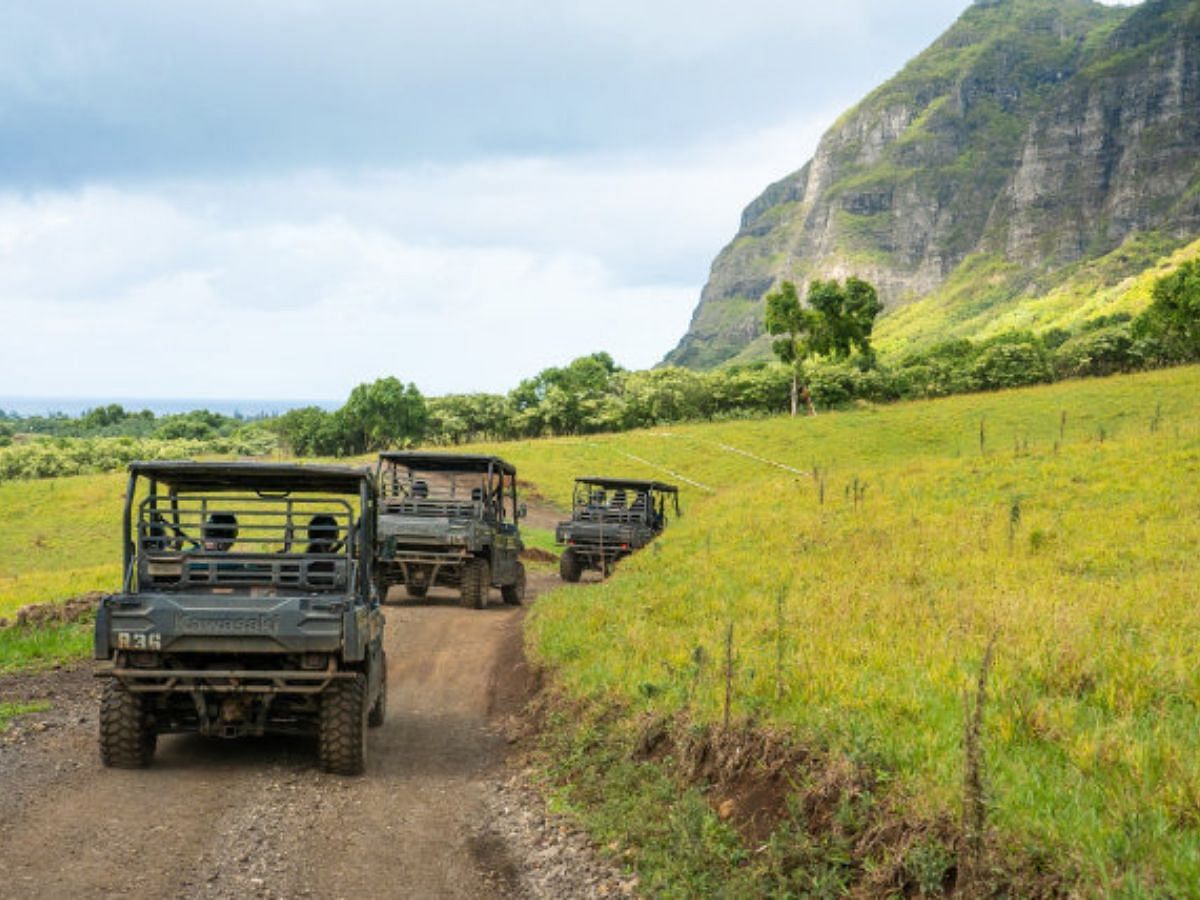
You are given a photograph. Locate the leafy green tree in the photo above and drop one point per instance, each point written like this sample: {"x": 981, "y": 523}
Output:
{"x": 102, "y": 417}
{"x": 838, "y": 320}
{"x": 846, "y": 317}
{"x": 381, "y": 414}
{"x": 795, "y": 328}
{"x": 197, "y": 425}
{"x": 309, "y": 431}
{"x": 1172, "y": 320}
{"x": 565, "y": 400}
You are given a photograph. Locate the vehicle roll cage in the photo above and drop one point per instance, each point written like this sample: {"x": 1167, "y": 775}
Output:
{"x": 201, "y": 524}
{"x": 591, "y": 495}
{"x": 401, "y": 490}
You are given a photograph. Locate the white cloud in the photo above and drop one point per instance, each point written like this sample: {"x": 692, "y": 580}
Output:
{"x": 457, "y": 278}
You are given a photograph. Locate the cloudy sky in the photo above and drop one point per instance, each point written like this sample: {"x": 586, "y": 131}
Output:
{"x": 284, "y": 198}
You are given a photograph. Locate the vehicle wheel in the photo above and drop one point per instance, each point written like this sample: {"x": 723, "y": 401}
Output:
{"x": 379, "y": 711}
{"x": 127, "y": 735}
{"x": 569, "y": 566}
{"x": 416, "y": 591}
{"x": 514, "y": 594}
{"x": 476, "y": 583}
{"x": 342, "y": 734}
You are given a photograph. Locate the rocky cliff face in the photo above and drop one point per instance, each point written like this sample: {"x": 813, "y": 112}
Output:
{"x": 1034, "y": 133}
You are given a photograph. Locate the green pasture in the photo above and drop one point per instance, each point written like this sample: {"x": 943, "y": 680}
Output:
{"x": 59, "y": 537}
{"x": 865, "y": 559}
{"x": 1064, "y": 521}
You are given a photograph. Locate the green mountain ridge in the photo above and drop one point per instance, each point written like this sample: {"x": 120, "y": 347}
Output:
{"x": 1033, "y": 138}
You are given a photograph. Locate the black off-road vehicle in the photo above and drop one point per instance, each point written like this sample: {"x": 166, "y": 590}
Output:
{"x": 449, "y": 519}
{"x": 247, "y": 608}
{"x": 610, "y": 519}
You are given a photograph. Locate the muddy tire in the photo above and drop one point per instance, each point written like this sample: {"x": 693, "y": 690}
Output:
{"x": 342, "y": 735}
{"x": 569, "y": 566}
{"x": 378, "y": 712}
{"x": 514, "y": 594}
{"x": 476, "y": 583}
{"x": 127, "y": 735}
{"x": 416, "y": 591}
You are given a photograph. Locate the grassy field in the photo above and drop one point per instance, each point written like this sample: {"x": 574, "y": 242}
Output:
{"x": 1063, "y": 521}
{"x": 59, "y": 537}
{"x": 865, "y": 559}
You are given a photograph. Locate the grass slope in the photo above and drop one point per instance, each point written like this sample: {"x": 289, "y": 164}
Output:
{"x": 1063, "y": 520}
{"x": 986, "y": 296}
{"x": 59, "y": 538}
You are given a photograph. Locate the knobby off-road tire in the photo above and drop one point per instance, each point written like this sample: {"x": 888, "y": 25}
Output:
{"x": 569, "y": 566}
{"x": 514, "y": 594}
{"x": 378, "y": 712}
{"x": 476, "y": 583}
{"x": 416, "y": 591}
{"x": 127, "y": 735}
{"x": 342, "y": 735}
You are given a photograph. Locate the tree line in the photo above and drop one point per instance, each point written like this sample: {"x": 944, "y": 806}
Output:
{"x": 589, "y": 395}
{"x": 826, "y": 345}
{"x": 823, "y": 343}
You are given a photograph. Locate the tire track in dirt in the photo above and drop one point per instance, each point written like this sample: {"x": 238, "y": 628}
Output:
{"x": 220, "y": 819}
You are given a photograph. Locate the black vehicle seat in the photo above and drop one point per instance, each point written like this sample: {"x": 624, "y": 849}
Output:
{"x": 219, "y": 531}
{"x": 323, "y": 534}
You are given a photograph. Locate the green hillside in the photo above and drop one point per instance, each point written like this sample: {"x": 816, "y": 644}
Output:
{"x": 1061, "y": 520}
{"x": 1118, "y": 282}
{"x": 1012, "y": 174}
{"x": 865, "y": 560}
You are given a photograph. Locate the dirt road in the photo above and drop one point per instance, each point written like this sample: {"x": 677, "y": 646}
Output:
{"x": 217, "y": 819}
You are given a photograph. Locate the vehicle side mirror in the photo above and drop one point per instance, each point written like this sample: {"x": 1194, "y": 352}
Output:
{"x": 522, "y": 512}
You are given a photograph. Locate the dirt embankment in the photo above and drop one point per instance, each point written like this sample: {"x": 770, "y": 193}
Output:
{"x": 42, "y": 615}
{"x": 438, "y": 814}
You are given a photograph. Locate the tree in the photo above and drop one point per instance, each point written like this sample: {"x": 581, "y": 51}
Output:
{"x": 103, "y": 417}
{"x": 309, "y": 431}
{"x": 785, "y": 316}
{"x": 380, "y": 414}
{"x": 1173, "y": 317}
{"x": 838, "y": 320}
{"x": 567, "y": 400}
{"x": 846, "y": 317}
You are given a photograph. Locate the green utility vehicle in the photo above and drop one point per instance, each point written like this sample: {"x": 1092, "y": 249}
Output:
{"x": 451, "y": 520}
{"x": 610, "y": 519}
{"x": 247, "y": 608}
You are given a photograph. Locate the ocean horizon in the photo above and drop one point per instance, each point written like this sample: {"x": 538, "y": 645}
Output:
{"x": 25, "y": 406}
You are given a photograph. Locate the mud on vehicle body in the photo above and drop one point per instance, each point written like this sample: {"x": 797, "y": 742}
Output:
{"x": 247, "y": 608}
{"x": 451, "y": 520}
{"x": 610, "y": 519}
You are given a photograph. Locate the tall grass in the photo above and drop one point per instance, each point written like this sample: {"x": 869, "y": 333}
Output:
{"x": 58, "y": 538}
{"x": 1077, "y": 552}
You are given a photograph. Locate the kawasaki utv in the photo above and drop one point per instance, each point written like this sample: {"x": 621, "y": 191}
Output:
{"x": 610, "y": 519}
{"x": 450, "y": 520}
{"x": 247, "y": 608}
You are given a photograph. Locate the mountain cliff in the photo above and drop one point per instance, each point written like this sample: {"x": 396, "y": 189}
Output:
{"x": 1033, "y": 138}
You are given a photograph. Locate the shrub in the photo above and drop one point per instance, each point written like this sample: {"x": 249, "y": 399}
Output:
{"x": 1102, "y": 351}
